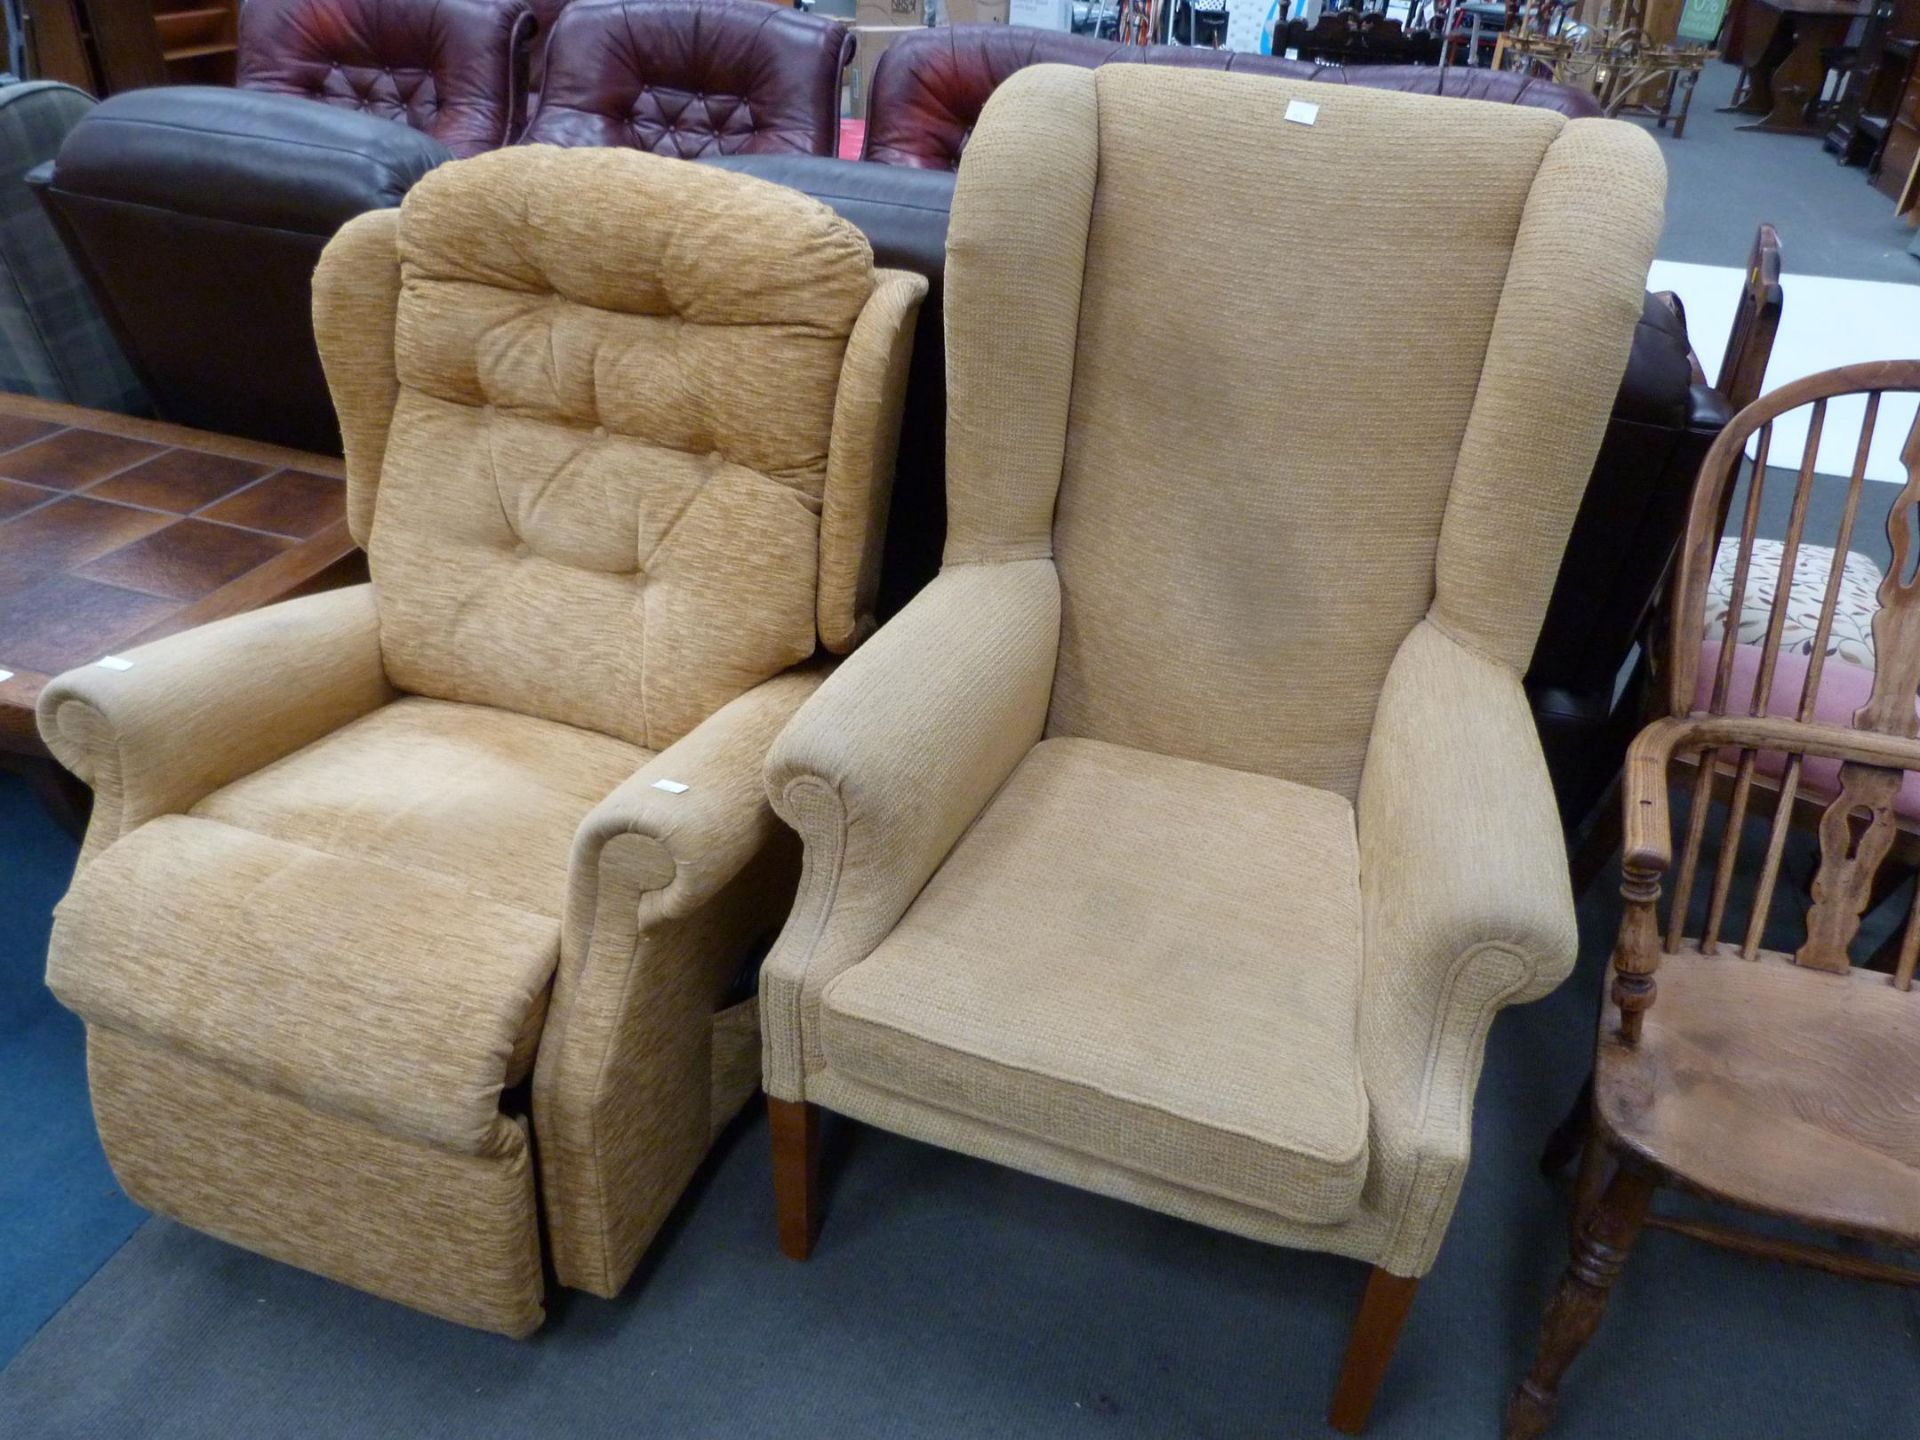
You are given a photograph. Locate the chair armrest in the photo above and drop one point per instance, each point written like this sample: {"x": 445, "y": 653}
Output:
{"x": 200, "y": 709}
{"x": 669, "y": 851}
{"x": 1466, "y": 908}
{"x": 885, "y": 767}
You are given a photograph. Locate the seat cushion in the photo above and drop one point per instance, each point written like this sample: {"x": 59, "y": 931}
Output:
{"x": 386, "y": 995}
{"x": 1849, "y": 638}
{"x": 485, "y": 799}
{"x": 1152, "y": 961}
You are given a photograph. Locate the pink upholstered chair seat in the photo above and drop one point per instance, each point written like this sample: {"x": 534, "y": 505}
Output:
{"x": 1844, "y": 688}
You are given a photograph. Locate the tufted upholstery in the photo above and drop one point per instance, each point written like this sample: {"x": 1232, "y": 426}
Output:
{"x": 693, "y": 77}
{"x": 596, "y": 434}
{"x": 928, "y": 88}
{"x": 455, "y": 69}
{"x": 388, "y": 899}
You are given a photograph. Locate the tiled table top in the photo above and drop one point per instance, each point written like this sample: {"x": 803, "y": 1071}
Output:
{"x": 115, "y": 531}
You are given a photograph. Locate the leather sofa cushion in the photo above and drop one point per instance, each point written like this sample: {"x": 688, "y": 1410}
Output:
{"x": 1159, "y": 957}
{"x": 601, "y": 490}
{"x": 454, "y": 69}
{"x": 692, "y": 77}
{"x": 929, "y": 87}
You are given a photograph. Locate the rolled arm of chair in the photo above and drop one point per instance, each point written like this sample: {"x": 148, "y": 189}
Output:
{"x": 888, "y": 764}
{"x": 672, "y": 877}
{"x": 200, "y": 709}
{"x": 684, "y": 824}
{"x": 1467, "y": 908}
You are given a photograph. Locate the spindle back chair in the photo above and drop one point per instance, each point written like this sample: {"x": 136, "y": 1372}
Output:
{"x": 1783, "y": 1081}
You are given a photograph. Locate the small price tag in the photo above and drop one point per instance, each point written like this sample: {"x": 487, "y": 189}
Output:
{"x": 1301, "y": 112}
{"x": 672, "y": 787}
{"x": 113, "y": 662}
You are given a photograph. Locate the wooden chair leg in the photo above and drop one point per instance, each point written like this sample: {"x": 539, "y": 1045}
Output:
{"x": 1376, "y": 1330}
{"x": 1574, "y": 1312}
{"x": 795, "y": 1126}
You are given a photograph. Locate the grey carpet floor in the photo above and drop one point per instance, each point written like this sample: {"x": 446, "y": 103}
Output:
{"x": 1722, "y": 181}
{"x": 952, "y": 1298}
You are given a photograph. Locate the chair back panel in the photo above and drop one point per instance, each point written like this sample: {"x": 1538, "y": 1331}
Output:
{"x": 1256, "y": 475}
{"x": 455, "y": 69}
{"x": 1778, "y": 693}
{"x": 601, "y": 490}
{"x": 692, "y": 78}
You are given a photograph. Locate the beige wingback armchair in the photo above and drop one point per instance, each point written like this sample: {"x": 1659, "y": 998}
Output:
{"x": 1182, "y": 839}
{"x": 390, "y": 890}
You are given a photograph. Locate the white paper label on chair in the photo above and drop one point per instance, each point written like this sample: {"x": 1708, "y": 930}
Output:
{"x": 5, "y": 675}
{"x": 672, "y": 787}
{"x": 1300, "y": 112}
{"x": 113, "y": 662}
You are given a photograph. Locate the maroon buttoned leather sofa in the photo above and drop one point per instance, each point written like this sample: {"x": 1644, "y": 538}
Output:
{"x": 686, "y": 78}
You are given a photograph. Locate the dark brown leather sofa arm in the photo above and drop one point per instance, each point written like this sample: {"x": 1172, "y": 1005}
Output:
{"x": 454, "y": 69}
{"x": 692, "y": 77}
{"x": 196, "y": 215}
{"x": 929, "y": 87}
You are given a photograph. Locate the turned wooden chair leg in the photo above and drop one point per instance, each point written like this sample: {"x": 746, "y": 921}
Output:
{"x": 1376, "y": 1330}
{"x": 1574, "y": 1312}
{"x": 796, "y": 1174}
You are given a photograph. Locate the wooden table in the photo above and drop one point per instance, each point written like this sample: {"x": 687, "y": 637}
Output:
{"x": 1784, "y": 73}
{"x": 115, "y": 531}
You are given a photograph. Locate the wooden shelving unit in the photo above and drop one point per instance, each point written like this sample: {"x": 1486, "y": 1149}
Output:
{"x": 104, "y": 46}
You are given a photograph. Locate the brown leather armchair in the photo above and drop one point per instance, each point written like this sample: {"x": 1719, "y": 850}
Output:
{"x": 929, "y": 87}
{"x": 454, "y": 69}
{"x": 692, "y": 77}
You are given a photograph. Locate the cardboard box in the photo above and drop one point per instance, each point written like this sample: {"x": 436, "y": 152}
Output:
{"x": 871, "y": 43}
{"x": 971, "y": 12}
{"x": 880, "y": 14}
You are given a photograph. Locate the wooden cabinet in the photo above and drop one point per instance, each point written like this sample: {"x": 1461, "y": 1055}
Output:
{"x": 104, "y": 46}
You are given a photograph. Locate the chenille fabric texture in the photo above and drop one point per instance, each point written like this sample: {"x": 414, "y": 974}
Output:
{"x": 1183, "y": 838}
{"x": 393, "y": 954}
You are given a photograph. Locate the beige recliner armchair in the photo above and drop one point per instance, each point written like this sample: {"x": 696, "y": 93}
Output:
{"x": 390, "y": 890}
{"x": 1182, "y": 839}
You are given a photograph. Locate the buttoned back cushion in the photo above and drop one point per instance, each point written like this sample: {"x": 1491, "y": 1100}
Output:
{"x": 601, "y": 491}
{"x": 454, "y": 69}
{"x": 692, "y": 77}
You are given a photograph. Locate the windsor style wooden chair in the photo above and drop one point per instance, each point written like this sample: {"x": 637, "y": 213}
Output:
{"x": 1779, "y": 1077}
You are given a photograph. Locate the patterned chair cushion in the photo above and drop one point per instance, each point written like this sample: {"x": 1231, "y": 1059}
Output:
{"x": 1851, "y": 638}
